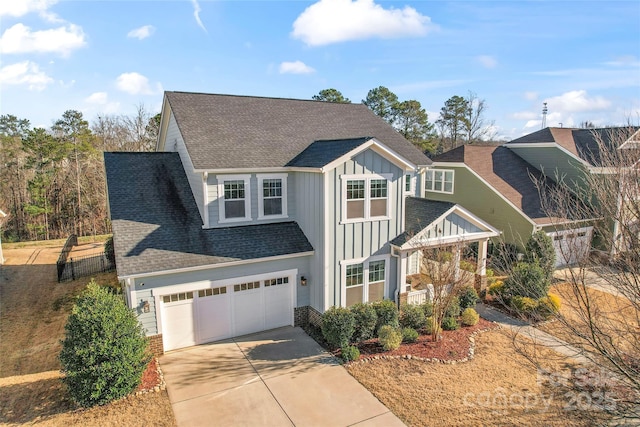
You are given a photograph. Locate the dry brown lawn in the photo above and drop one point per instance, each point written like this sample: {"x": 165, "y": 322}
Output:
{"x": 497, "y": 387}
{"x": 33, "y": 311}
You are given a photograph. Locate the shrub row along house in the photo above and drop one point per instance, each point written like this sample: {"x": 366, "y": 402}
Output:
{"x": 256, "y": 213}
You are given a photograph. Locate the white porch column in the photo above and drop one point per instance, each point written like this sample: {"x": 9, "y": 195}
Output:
{"x": 482, "y": 257}
{"x": 456, "y": 260}
{"x": 402, "y": 282}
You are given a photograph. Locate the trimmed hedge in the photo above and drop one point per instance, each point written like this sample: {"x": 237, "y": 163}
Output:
{"x": 338, "y": 325}
{"x": 365, "y": 318}
{"x": 412, "y": 316}
{"x": 389, "y": 337}
{"x": 387, "y": 313}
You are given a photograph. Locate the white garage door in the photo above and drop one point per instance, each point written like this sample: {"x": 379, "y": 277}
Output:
{"x": 227, "y": 308}
{"x": 572, "y": 246}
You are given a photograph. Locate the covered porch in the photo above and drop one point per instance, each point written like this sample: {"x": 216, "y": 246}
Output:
{"x": 439, "y": 226}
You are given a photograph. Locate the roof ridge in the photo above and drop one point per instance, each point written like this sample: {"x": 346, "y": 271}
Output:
{"x": 260, "y": 97}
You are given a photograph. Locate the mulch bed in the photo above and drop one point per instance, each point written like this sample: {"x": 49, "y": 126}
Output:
{"x": 453, "y": 346}
{"x": 152, "y": 379}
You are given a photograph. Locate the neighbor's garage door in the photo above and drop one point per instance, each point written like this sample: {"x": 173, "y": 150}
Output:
{"x": 571, "y": 246}
{"x": 217, "y": 312}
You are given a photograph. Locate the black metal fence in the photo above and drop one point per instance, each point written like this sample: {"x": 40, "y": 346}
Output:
{"x": 71, "y": 268}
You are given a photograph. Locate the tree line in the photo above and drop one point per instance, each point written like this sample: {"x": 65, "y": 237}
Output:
{"x": 461, "y": 120}
{"x": 52, "y": 181}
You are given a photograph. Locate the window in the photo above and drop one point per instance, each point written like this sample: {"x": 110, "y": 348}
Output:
{"x": 272, "y": 200}
{"x": 246, "y": 286}
{"x": 276, "y": 282}
{"x": 182, "y": 296}
{"x": 439, "y": 181}
{"x": 234, "y": 198}
{"x": 366, "y": 197}
{"x": 407, "y": 183}
{"x": 202, "y": 293}
{"x": 364, "y": 281}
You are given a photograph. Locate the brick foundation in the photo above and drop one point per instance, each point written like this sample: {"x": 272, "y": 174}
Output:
{"x": 480, "y": 283}
{"x": 301, "y": 316}
{"x": 155, "y": 345}
{"x": 315, "y": 317}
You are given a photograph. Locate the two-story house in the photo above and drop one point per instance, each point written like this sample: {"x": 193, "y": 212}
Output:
{"x": 256, "y": 213}
{"x": 505, "y": 185}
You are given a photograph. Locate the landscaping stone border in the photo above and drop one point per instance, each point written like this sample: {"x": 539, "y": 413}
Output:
{"x": 470, "y": 354}
{"x": 158, "y": 387}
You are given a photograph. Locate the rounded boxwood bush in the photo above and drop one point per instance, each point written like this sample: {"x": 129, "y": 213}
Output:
{"x": 469, "y": 317}
{"x": 450, "y": 324}
{"x": 104, "y": 352}
{"x": 453, "y": 308}
{"x": 390, "y": 338}
{"x": 350, "y": 353}
{"x": 412, "y": 316}
{"x": 338, "y": 325}
{"x": 527, "y": 280}
{"x": 468, "y": 297}
{"x": 387, "y": 313}
{"x": 427, "y": 307}
{"x": 409, "y": 335}
{"x": 365, "y": 321}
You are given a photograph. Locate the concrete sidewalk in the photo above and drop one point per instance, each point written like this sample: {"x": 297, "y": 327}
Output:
{"x": 275, "y": 378}
{"x": 489, "y": 313}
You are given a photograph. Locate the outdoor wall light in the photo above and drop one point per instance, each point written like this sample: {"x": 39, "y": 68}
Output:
{"x": 145, "y": 306}
{"x": 303, "y": 281}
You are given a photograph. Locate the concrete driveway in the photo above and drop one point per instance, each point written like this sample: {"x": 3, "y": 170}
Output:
{"x": 274, "y": 378}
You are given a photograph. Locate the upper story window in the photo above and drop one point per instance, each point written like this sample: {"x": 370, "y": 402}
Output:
{"x": 408, "y": 184}
{"x": 272, "y": 200}
{"x": 439, "y": 181}
{"x": 235, "y": 197}
{"x": 366, "y": 197}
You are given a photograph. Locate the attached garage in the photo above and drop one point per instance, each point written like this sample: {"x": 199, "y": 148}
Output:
{"x": 201, "y": 312}
{"x": 572, "y": 246}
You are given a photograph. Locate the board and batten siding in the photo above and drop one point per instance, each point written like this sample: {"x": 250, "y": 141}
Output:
{"x": 148, "y": 287}
{"x": 306, "y": 194}
{"x": 214, "y": 200}
{"x": 361, "y": 239}
{"x": 475, "y": 196}
{"x": 174, "y": 142}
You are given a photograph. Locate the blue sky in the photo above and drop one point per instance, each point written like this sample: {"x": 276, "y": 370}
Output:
{"x": 107, "y": 57}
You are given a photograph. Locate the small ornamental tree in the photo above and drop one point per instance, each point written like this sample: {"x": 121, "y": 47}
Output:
{"x": 104, "y": 352}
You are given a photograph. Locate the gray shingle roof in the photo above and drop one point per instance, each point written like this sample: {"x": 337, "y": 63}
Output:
{"x": 419, "y": 214}
{"x": 226, "y": 131}
{"x": 157, "y": 227}
{"x": 321, "y": 153}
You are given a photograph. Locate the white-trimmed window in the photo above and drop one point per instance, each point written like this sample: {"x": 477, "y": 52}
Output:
{"x": 408, "y": 184}
{"x": 366, "y": 197}
{"x": 234, "y": 196}
{"x": 272, "y": 198}
{"x": 364, "y": 281}
{"x": 439, "y": 180}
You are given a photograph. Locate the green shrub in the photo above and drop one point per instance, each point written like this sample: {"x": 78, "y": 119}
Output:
{"x": 365, "y": 321}
{"x": 389, "y": 337}
{"x": 427, "y": 307}
{"x": 104, "y": 351}
{"x": 387, "y": 313}
{"x": 450, "y": 324}
{"x": 338, "y": 325}
{"x": 539, "y": 250}
{"x": 409, "y": 335}
{"x": 412, "y": 316}
{"x": 469, "y": 317}
{"x": 453, "y": 308}
{"x": 350, "y": 353}
{"x": 526, "y": 280}
{"x": 428, "y": 326}
{"x": 524, "y": 305}
{"x": 109, "y": 252}
{"x": 468, "y": 297}
{"x": 468, "y": 266}
{"x": 496, "y": 288}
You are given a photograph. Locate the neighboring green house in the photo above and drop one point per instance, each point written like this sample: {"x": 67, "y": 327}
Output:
{"x": 498, "y": 186}
{"x": 256, "y": 213}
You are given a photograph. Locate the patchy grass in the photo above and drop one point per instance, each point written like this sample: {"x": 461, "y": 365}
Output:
{"x": 33, "y": 311}
{"x": 55, "y": 242}
{"x": 498, "y": 387}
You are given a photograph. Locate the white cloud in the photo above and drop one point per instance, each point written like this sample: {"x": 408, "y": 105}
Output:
{"x": 531, "y": 96}
{"x": 296, "y": 67}
{"x": 196, "y": 14}
{"x": 17, "y": 8}
{"x": 142, "y": 32}
{"x": 25, "y": 73}
{"x": 333, "y": 21}
{"x": 487, "y": 61}
{"x": 100, "y": 101}
{"x": 136, "y": 84}
{"x": 577, "y": 101}
{"x": 62, "y": 40}
{"x": 525, "y": 115}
